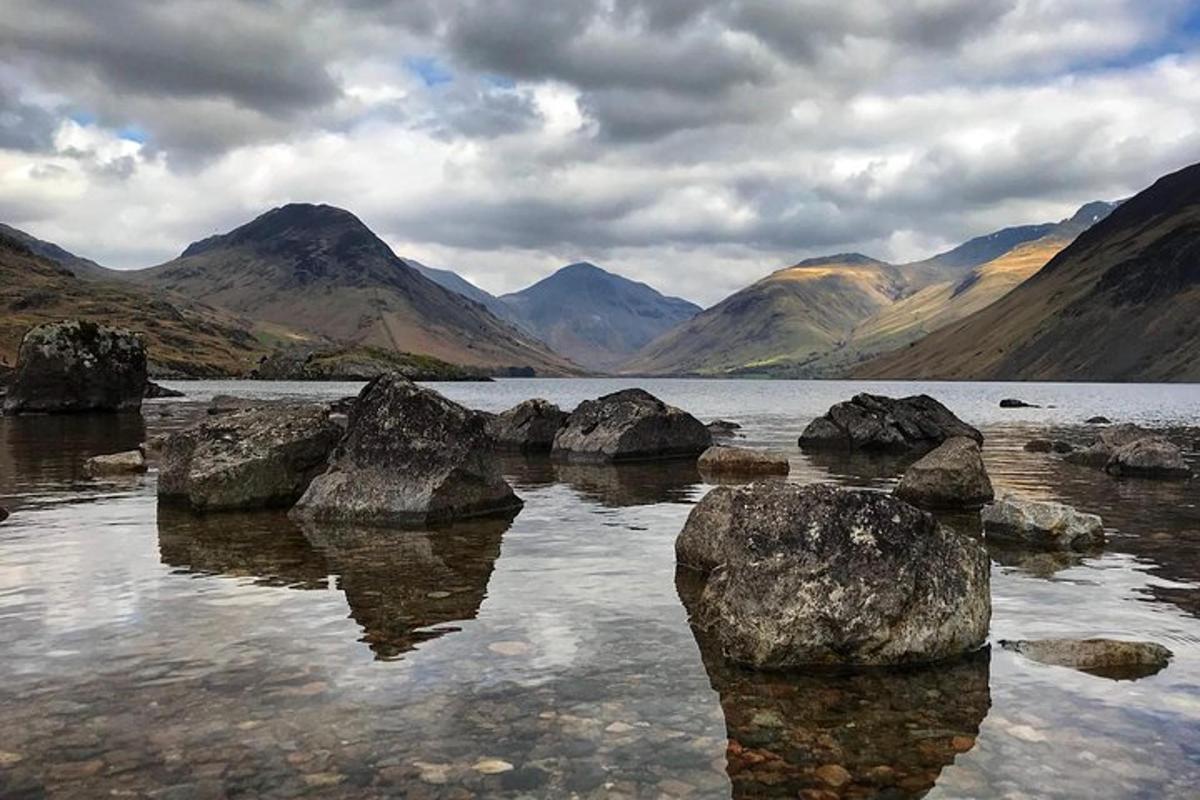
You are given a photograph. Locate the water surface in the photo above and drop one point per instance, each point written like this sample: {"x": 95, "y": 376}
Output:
{"x": 150, "y": 652}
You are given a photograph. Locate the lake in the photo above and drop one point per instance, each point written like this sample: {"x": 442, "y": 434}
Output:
{"x": 153, "y": 653}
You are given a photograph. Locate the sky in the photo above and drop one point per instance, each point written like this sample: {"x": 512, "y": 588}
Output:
{"x": 695, "y": 145}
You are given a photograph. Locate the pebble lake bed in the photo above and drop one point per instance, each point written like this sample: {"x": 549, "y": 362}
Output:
{"x": 151, "y": 652}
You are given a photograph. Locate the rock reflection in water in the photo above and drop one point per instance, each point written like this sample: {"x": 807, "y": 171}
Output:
{"x": 407, "y": 587}
{"x": 266, "y": 546}
{"x": 621, "y": 485}
{"x": 871, "y": 733}
{"x": 854, "y": 467}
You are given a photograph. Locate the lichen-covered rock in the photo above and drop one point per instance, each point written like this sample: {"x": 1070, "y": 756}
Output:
{"x": 742, "y": 461}
{"x": 409, "y": 457}
{"x": 1107, "y": 658}
{"x": 76, "y": 366}
{"x": 253, "y": 458}
{"x": 813, "y": 575}
{"x": 127, "y": 463}
{"x": 1052, "y": 526}
{"x": 874, "y": 422}
{"x": 630, "y": 425}
{"x": 528, "y": 427}
{"x": 1151, "y": 457}
{"x": 950, "y": 476}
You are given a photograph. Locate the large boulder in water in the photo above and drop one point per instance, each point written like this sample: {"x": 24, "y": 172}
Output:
{"x": 630, "y": 425}
{"x": 254, "y": 458}
{"x": 409, "y": 457}
{"x": 951, "y": 476}
{"x": 813, "y": 575}
{"x": 1131, "y": 450}
{"x": 75, "y": 366}
{"x": 874, "y": 422}
{"x": 528, "y": 427}
{"x": 1044, "y": 525}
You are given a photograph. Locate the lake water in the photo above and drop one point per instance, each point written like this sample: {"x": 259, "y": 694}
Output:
{"x": 149, "y": 653}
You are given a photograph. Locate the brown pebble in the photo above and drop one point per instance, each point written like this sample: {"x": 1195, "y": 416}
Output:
{"x": 961, "y": 744}
{"x": 834, "y": 775}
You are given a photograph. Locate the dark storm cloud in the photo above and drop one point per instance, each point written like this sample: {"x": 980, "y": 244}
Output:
{"x": 24, "y": 126}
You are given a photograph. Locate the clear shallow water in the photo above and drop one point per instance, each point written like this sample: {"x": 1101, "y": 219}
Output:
{"x": 150, "y": 653}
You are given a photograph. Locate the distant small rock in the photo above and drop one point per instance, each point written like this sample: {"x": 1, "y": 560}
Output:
{"x": 629, "y": 425}
{"x": 742, "y": 461}
{"x": 951, "y": 476}
{"x": 76, "y": 366}
{"x": 1051, "y": 526}
{"x": 127, "y": 463}
{"x": 3, "y": 513}
{"x": 1108, "y": 658}
{"x": 1098, "y": 420}
{"x": 528, "y": 427}
{"x": 723, "y": 428}
{"x": 1048, "y": 446}
{"x": 154, "y": 391}
{"x": 1012, "y": 402}
{"x": 874, "y": 422}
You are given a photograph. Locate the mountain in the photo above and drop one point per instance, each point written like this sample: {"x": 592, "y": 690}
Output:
{"x": 782, "y": 321}
{"x": 82, "y": 267}
{"x": 594, "y": 317}
{"x": 319, "y": 268}
{"x": 448, "y": 279}
{"x": 1119, "y": 304}
{"x": 182, "y": 338}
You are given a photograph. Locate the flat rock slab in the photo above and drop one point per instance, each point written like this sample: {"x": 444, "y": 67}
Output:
{"x": 817, "y": 576}
{"x": 1044, "y": 525}
{"x": 875, "y": 422}
{"x": 630, "y": 425}
{"x": 1108, "y": 658}
{"x": 742, "y": 461}
{"x": 952, "y": 476}
{"x": 253, "y": 458}
{"x": 130, "y": 462}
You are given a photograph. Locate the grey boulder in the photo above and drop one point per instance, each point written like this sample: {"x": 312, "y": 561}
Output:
{"x": 1107, "y": 658}
{"x": 742, "y": 461}
{"x": 1043, "y": 525}
{"x": 528, "y": 427}
{"x": 76, "y": 366}
{"x": 630, "y": 425}
{"x": 409, "y": 457}
{"x": 813, "y": 575}
{"x": 874, "y": 422}
{"x": 1132, "y": 451}
{"x": 253, "y": 458}
{"x": 128, "y": 463}
{"x": 952, "y": 476}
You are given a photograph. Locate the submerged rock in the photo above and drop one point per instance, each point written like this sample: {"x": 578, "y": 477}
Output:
{"x": 153, "y": 391}
{"x": 1048, "y": 446}
{"x": 528, "y": 427}
{"x": 951, "y": 476}
{"x": 76, "y": 366}
{"x": 742, "y": 461}
{"x": 812, "y": 575}
{"x": 127, "y": 463}
{"x": 630, "y": 425}
{"x": 254, "y": 458}
{"x": 1012, "y": 402}
{"x": 1107, "y": 658}
{"x": 1098, "y": 420}
{"x": 874, "y": 422}
{"x": 723, "y": 427}
{"x": 409, "y": 456}
{"x": 3, "y": 513}
{"x": 1046, "y": 525}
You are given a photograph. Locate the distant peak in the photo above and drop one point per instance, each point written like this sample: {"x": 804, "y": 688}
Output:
{"x": 855, "y": 259}
{"x": 582, "y": 268}
{"x": 1093, "y": 212}
{"x": 290, "y": 220}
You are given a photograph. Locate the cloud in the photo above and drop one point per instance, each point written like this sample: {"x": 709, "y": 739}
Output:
{"x": 693, "y": 144}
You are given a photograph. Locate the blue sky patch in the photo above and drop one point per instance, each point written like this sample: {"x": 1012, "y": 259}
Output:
{"x": 431, "y": 71}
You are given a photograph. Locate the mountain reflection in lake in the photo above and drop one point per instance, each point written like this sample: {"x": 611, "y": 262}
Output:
{"x": 151, "y": 652}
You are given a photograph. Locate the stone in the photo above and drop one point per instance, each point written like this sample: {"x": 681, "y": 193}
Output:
{"x": 1107, "y": 658}
{"x": 127, "y": 463}
{"x": 874, "y": 422}
{"x": 4, "y": 513}
{"x": 528, "y": 427}
{"x": 742, "y": 461}
{"x": 253, "y": 458}
{"x": 77, "y": 366}
{"x": 723, "y": 428}
{"x": 1012, "y": 402}
{"x": 492, "y": 766}
{"x": 834, "y": 775}
{"x": 1048, "y": 446}
{"x": 1151, "y": 457}
{"x": 409, "y": 457}
{"x": 153, "y": 391}
{"x": 1044, "y": 525}
{"x": 630, "y": 425}
{"x": 951, "y": 476}
{"x": 1098, "y": 420}
{"x": 816, "y": 576}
